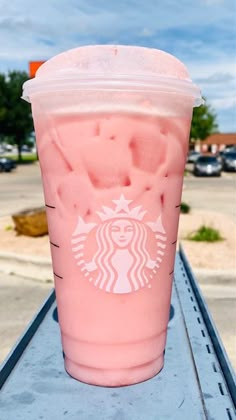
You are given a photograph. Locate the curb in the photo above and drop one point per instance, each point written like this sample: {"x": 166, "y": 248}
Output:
{"x": 27, "y": 266}
{"x": 215, "y": 277}
{"x": 40, "y": 269}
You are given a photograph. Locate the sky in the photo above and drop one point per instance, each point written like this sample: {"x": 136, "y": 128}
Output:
{"x": 201, "y": 33}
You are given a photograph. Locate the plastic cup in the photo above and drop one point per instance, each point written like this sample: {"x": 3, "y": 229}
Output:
{"x": 112, "y": 127}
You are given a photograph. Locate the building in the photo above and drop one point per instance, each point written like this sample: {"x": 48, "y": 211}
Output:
{"x": 33, "y": 67}
{"x": 216, "y": 142}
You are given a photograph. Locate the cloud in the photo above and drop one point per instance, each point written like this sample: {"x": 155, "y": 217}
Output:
{"x": 227, "y": 121}
{"x": 220, "y": 90}
{"x": 47, "y": 42}
{"x": 212, "y": 2}
{"x": 145, "y": 32}
{"x": 201, "y": 34}
{"x": 224, "y": 103}
{"x": 216, "y": 78}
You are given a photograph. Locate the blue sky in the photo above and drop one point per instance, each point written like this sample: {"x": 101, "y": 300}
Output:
{"x": 201, "y": 33}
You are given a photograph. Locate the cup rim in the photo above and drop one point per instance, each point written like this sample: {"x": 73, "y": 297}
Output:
{"x": 68, "y": 80}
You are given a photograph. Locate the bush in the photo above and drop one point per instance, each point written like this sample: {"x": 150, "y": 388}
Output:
{"x": 205, "y": 234}
{"x": 184, "y": 208}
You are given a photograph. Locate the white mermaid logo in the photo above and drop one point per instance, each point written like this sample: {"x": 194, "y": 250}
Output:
{"x": 121, "y": 262}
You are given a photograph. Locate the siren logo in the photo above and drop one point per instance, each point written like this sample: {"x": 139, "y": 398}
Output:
{"x": 121, "y": 262}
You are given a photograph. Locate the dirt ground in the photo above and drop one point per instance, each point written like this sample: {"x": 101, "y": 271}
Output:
{"x": 217, "y": 256}
{"x": 11, "y": 242}
{"x": 214, "y": 256}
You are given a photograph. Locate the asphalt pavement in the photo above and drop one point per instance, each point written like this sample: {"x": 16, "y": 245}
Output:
{"x": 20, "y": 189}
{"x": 212, "y": 193}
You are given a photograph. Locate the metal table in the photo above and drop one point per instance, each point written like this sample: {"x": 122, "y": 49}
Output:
{"x": 197, "y": 381}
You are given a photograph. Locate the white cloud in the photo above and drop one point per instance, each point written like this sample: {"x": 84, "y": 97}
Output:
{"x": 224, "y": 103}
{"x": 199, "y": 33}
{"x": 145, "y": 32}
{"x": 213, "y": 2}
{"x": 217, "y": 78}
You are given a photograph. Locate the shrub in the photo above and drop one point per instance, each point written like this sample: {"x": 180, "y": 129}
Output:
{"x": 205, "y": 234}
{"x": 9, "y": 227}
{"x": 185, "y": 208}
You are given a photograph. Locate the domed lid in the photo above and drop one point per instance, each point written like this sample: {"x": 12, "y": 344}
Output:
{"x": 113, "y": 67}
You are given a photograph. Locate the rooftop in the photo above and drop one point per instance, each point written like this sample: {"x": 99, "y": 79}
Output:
{"x": 221, "y": 138}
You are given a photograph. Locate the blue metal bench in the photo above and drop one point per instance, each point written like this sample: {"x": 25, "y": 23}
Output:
{"x": 196, "y": 383}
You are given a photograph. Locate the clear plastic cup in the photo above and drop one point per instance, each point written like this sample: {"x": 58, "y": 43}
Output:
{"x": 112, "y": 127}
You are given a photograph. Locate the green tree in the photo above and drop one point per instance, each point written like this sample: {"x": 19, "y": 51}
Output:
{"x": 204, "y": 122}
{"x": 3, "y": 107}
{"x": 15, "y": 114}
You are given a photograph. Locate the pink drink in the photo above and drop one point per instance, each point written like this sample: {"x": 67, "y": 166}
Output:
{"x": 112, "y": 177}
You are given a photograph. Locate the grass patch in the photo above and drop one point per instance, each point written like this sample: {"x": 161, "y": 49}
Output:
{"x": 29, "y": 158}
{"x": 205, "y": 234}
{"x": 9, "y": 227}
{"x": 185, "y": 208}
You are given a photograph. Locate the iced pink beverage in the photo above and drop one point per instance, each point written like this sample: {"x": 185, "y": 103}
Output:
{"x": 112, "y": 151}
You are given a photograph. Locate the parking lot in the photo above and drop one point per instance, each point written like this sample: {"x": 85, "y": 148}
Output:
{"x": 211, "y": 193}
{"x": 22, "y": 188}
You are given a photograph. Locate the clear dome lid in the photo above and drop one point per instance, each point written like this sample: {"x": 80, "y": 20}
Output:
{"x": 111, "y": 67}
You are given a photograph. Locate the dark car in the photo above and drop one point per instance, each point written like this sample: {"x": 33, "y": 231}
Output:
{"x": 207, "y": 166}
{"x": 193, "y": 156}
{"x": 6, "y": 164}
{"x": 229, "y": 161}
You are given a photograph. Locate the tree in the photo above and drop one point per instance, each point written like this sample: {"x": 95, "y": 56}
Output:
{"x": 3, "y": 107}
{"x": 204, "y": 122}
{"x": 15, "y": 114}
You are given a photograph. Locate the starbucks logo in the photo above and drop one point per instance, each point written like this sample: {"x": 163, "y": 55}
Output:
{"x": 121, "y": 262}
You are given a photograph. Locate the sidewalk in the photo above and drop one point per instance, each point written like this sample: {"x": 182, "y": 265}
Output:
{"x": 20, "y": 299}
{"x": 37, "y": 268}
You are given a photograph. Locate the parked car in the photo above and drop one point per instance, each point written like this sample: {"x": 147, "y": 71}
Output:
{"x": 6, "y": 164}
{"x": 229, "y": 149}
{"x": 8, "y": 147}
{"x": 229, "y": 161}
{"x": 26, "y": 148}
{"x": 208, "y": 166}
{"x": 193, "y": 156}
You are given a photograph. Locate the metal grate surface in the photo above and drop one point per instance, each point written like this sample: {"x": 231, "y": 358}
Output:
{"x": 217, "y": 400}
{"x": 191, "y": 385}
